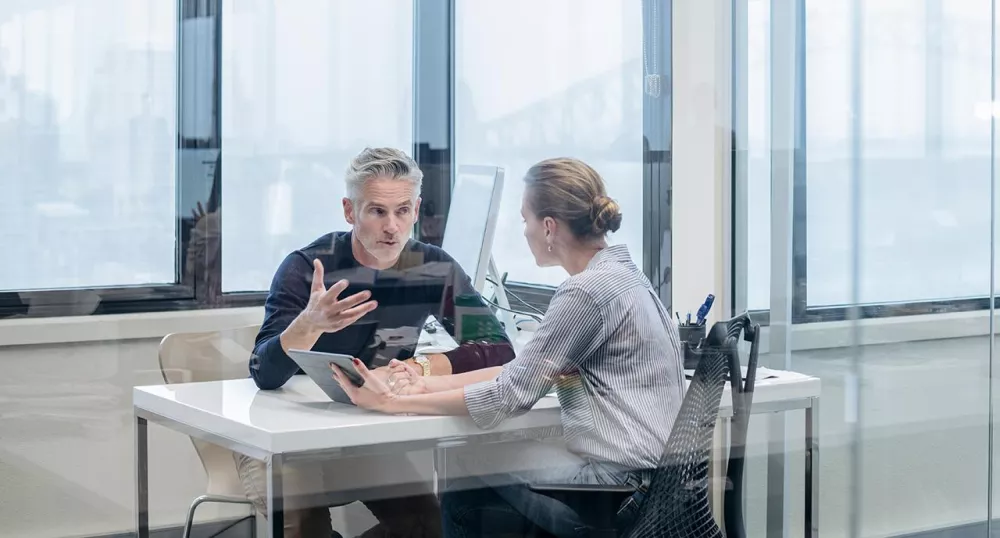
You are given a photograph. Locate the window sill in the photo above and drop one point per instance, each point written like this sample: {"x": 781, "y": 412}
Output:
{"x": 61, "y": 330}
{"x": 822, "y": 335}
{"x": 837, "y": 334}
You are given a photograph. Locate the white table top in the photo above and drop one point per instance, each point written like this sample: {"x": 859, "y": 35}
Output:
{"x": 301, "y": 418}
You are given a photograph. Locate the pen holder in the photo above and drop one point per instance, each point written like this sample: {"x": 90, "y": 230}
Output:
{"x": 691, "y": 337}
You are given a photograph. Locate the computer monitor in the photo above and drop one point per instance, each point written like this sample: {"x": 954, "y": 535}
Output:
{"x": 472, "y": 219}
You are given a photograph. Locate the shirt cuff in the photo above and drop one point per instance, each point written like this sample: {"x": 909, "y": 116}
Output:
{"x": 478, "y": 355}
{"x": 483, "y": 402}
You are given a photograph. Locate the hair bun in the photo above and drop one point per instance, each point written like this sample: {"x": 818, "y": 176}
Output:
{"x": 605, "y": 215}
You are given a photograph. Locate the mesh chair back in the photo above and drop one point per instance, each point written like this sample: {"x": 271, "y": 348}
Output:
{"x": 738, "y": 426}
{"x": 677, "y": 503}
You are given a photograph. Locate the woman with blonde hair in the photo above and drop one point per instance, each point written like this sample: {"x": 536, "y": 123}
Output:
{"x": 606, "y": 343}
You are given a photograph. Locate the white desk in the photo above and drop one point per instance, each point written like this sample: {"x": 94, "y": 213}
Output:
{"x": 300, "y": 422}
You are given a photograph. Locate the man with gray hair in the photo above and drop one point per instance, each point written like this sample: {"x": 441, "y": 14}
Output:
{"x": 356, "y": 293}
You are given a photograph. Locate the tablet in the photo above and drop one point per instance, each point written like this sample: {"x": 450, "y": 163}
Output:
{"x": 316, "y": 365}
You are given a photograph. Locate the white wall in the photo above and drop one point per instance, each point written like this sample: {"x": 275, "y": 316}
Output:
{"x": 66, "y": 441}
{"x": 66, "y": 426}
{"x": 700, "y": 154}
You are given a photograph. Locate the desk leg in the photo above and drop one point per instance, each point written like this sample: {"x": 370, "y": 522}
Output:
{"x": 440, "y": 471}
{"x": 812, "y": 470}
{"x": 141, "y": 455}
{"x": 275, "y": 498}
{"x": 776, "y": 460}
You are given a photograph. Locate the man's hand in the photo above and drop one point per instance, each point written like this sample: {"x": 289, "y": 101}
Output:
{"x": 326, "y": 312}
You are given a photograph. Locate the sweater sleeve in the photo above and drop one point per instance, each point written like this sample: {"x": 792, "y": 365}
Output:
{"x": 270, "y": 366}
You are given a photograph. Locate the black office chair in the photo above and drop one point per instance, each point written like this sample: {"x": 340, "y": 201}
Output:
{"x": 742, "y": 393}
{"x": 677, "y": 502}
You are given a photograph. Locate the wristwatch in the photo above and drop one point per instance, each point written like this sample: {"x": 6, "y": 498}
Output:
{"x": 424, "y": 364}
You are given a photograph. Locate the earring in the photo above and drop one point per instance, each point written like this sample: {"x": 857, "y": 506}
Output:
{"x": 550, "y": 248}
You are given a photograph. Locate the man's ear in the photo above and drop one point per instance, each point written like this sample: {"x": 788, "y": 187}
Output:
{"x": 348, "y": 210}
{"x": 416, "y": 210}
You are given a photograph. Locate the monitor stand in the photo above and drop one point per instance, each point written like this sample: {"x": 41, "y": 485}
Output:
{"x": 500, "y": 296}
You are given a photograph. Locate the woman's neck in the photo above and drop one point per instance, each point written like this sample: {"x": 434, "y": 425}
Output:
{"x": 576, "y": 258}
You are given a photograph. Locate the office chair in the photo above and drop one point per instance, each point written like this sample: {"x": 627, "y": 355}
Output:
{"x": 210, "y": 356}
{"x": 742, "y": 394}
{"x": 677, "y": 501}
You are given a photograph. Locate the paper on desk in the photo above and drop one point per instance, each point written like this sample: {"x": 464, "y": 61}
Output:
{"x": 762, "y": 373}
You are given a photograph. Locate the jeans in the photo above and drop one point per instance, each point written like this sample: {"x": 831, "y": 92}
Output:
{"x": 492, "y": 497}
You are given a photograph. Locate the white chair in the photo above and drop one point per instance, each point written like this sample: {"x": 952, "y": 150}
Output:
{"x": 210, "y": 356}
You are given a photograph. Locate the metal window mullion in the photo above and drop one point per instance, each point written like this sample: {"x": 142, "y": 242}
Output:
{"x": 657, "y": 112}
{"x": 434, "y": 99}
{"x": 739, "y": 211}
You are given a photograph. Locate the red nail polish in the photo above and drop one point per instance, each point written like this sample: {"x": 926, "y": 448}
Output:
{"x": 357, "y": 361}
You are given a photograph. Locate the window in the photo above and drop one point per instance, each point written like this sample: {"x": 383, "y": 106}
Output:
{"x": 305, "y": 88}
{"x": 925, "y": 145}
{"x": 129, "y": 132}
{"x": 553, "y": 90}
{"x": 87, "y": 115}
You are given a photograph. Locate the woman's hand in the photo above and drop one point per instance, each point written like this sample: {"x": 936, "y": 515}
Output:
{"x": 374, "y": 394}
{"x": 405, "y": 379}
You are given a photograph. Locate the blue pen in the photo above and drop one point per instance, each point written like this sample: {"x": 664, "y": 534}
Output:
{"x": 689, "y": 318}
{"x": 703, "y": 311}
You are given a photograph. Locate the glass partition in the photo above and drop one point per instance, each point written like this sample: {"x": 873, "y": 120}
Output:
{"x": 865, "y": 177}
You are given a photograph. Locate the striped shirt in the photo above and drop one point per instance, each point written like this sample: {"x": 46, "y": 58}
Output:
{"x": 611, "y": 349}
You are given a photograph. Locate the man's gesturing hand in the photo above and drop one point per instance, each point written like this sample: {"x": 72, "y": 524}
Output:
{"x": 326, "y": 311}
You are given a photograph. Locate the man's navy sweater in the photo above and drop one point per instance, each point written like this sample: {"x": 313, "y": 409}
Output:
{"x": 425, "y": 281}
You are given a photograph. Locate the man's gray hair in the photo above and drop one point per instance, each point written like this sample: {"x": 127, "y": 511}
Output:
{"x": 389, "y": 163}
